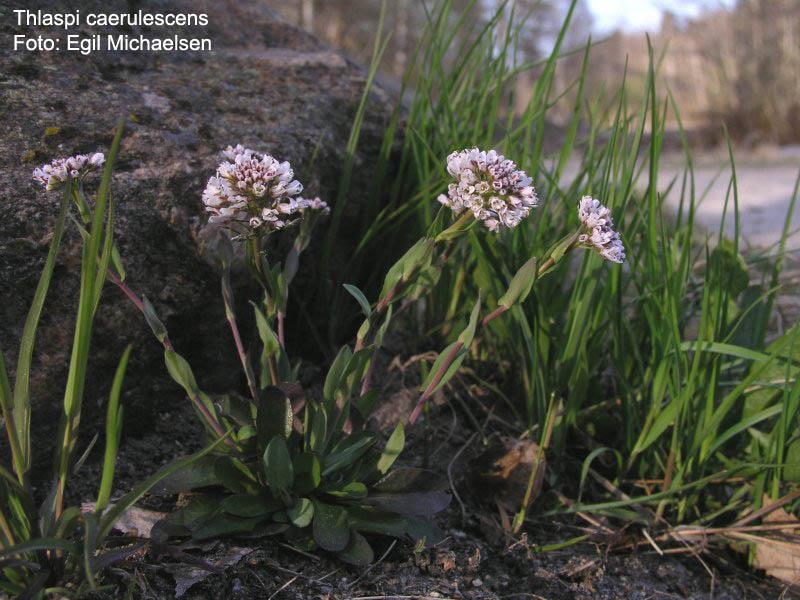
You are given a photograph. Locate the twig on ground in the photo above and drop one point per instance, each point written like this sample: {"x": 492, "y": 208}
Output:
{"x": 450, "y": 474}
{"x": 373, "y": 565}
{"x": 283, "y": 587}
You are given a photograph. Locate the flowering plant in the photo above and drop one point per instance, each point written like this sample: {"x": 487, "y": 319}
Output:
{"x": 303, "y": 466}
{"x": 283, "y": 460}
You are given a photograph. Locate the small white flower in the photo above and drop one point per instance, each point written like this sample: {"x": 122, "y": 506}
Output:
{"x": 313, "y": 204}
{"x": 490, "y": 186}
{"x": 55, "y": 173}
{"x": 259, "y": 189}
{"x": 598, "y": 230}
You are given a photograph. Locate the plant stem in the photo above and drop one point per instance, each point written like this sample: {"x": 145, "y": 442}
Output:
{"x": 537, "y": 466}
{"x": 255, "y": 245}
{"x": 137, "y": 302}
{"x": 248, "y": 371}
{"x": 212, "y": 421}
{"x": 451, "y": 356}
{"x": 255, "y": 248}
{"x": 280, "y": 319}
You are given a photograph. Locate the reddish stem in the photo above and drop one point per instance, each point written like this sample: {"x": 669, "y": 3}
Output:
{"x": 448, "y": 360}
{"x": 493, "y": 315}
{"x": 212, "y": 421}
{"x": 280, "y": 329}
{"x": 136, "y": 301}
{"x": 248, "y": 372}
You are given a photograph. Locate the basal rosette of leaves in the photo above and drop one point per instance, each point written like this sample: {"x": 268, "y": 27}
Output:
{"x": 297, "y": 473}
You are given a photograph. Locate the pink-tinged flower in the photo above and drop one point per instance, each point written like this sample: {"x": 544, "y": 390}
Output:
{"x": 490, "y": 186}
{"x": 252, "y": 190}
{"x": 598, "y": 230}
{"x": 54, "y": 174}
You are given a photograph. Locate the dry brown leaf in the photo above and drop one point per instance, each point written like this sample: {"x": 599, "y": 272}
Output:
{"x": 135, "y": 521}
{"x": 504, "y": 469}
{"x": 779, "y": 555}
{"x": 186, "y": 575}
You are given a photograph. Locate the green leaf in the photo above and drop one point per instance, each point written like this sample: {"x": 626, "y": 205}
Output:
{"x": 353, "y": 491}
{"x": 301, "y": 513}
{"x": 416, "y": 257}
{"x": 113, "y": 432}
{"x": 330, "y": 527}
{"x": 364, "y": 404}
{"x": 235, "y": 476}
{"x": 560, "y": 248}
{"x": 249, "y": 506}
{"x": 274, "y": 416}
{"x": 307, "y": 473}
{"x": 278, "y": 466}
{"x": 358, "y": 551}
{"x": 521, "y": 284}
{"x": 21, "y": 397}
{"x": 371, "y": 520}
{"x": 360, "y": 298}
{"x": 347, "y": 453}
{"x": 180, "y": 371}
{"x": 461, "y": 226}
{"x": 124, "y": 503}
{"x": 116, "y": 260}
{"x": 197, "y": 475}
{"x": 468, "y": 334}
{"x": 725, "y": 349}
{"x": 394, "y": 446}
{"x": 438, "y": 365}
{"x": 728, "y": 269}
{"x": 40, "y": 544}
{"x": 665, "y": 419}
{"x": 183, "y": 521}
{"x": 318, "y": 431}
{"x": 424, "y": 504}
{"x": 224, "y": 524}
{"x": 336, "y": 373}
{"x": 90, "y": 526}
{"x": 151, "y": 317}
{"x": 272, "y": 346}
{"x": 791, "y": 471}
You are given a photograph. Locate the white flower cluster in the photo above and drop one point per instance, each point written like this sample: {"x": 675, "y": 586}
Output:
{"x": 490, "y": 186}
{"x": 54, "y": 174}
{"x": 598, "y": 230}
{"x": 251, "y": 190}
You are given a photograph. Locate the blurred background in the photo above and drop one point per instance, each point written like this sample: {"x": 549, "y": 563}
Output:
{"x": 728, "y": 64}
{"x": 731, "y": 61}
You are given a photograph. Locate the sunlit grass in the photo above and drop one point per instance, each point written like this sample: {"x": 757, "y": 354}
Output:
{"x": 663, "y": 363}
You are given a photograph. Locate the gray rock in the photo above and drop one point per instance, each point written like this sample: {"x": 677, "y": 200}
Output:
{"x": 265, "y": 84}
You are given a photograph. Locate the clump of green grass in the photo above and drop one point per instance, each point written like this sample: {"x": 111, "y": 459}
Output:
{"x": 659, "y": 371}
